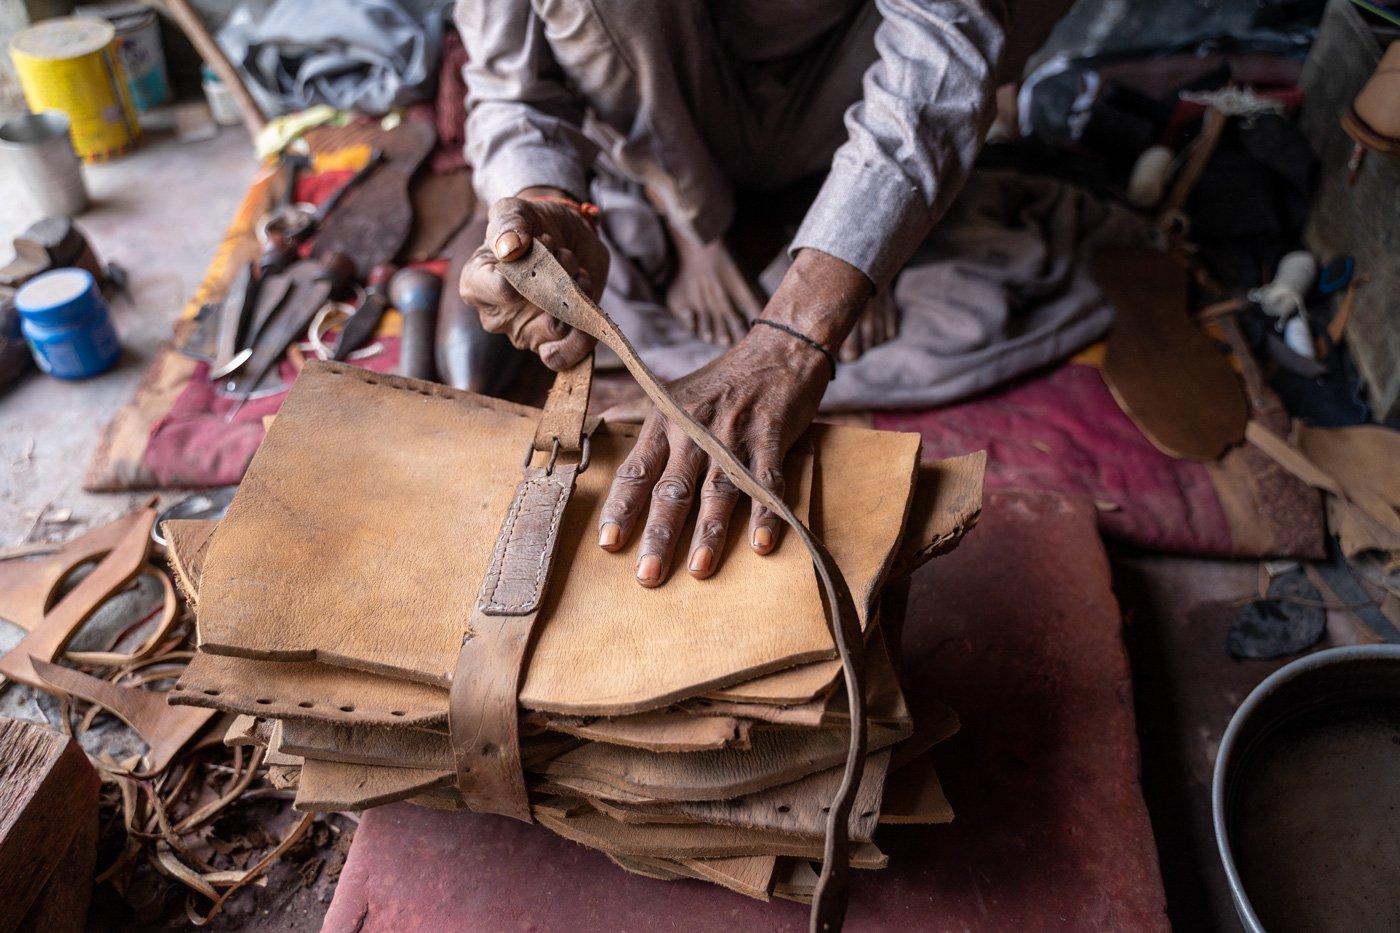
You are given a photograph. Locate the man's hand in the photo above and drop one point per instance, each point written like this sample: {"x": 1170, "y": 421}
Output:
{"x": 511, "y": 226}
{"x": 757, "y": 398}
{"x": 710, "y": 293}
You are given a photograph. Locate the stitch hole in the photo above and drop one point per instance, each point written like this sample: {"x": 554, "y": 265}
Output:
{"x": 826, "y": 809}
{"x": 306, "y": 704}
{"x": 208, "y": 693}
{"x": 347, "y": 709}
{"x": 867, "y": 814}
{"x": 263, "y": 701}
{"x": 397, "y": 712}
{"x": 785, "y": 809}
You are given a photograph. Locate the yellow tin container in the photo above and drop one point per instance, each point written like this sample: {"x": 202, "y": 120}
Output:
{"x": 71, "y": 64}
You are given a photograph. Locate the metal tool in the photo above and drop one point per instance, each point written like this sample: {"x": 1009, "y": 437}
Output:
{"x": 266, "y": 300}
{"x": 363, "y": 323}
{"x": 231, "y": 324}
{"x": 415, "y": 294}
{"x": 315, "y": 283}
{"x": 281, "y": 229}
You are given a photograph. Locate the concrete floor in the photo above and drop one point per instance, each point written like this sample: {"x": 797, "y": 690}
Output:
{"x": 160, "y": 213}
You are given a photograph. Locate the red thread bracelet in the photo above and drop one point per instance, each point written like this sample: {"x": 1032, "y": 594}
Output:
{"x": 587, "y": 211}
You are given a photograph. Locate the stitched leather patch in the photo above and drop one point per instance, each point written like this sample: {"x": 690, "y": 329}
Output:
{"x": 519, "y": 568}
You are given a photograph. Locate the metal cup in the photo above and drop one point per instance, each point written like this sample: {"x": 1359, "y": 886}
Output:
{"x": 37, "y": 149}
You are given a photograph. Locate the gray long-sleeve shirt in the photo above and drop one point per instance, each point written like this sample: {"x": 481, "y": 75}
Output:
{"x": 692, "y": 97}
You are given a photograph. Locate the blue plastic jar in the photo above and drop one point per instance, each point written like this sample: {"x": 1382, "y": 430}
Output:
{"x": 67, "y": 324}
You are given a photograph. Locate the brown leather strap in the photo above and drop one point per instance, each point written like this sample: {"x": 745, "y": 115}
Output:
{"x": 565, "y": 409}
{"x": 539, "y": 278}
{"x": 483, "y": 712}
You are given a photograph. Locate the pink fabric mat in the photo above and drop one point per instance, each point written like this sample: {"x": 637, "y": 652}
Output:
{"x": 1061, "y": 431}
{"x": 194, "y": 446}
{"x": 1051, "y": 834}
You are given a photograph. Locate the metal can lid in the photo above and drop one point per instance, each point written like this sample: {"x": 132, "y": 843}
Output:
{"x": 63, "y": 38}
{"x": 56, "y": 296}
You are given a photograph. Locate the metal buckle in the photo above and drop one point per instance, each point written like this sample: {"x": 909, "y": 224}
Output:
{"x": 584, "y": 454}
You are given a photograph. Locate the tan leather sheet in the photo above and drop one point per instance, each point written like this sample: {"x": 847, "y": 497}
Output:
{"x": 294, "y": 574}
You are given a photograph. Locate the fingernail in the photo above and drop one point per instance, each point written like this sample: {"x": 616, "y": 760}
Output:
{"x": 762, "y": 538}
{"x": 702, "y": 558}
{"x": 507, "y": 243}
{"x": 649, "y": 568}
{"x": 609, "y": 535}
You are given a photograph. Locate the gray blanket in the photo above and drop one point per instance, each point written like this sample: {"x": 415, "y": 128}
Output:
{"x": 1001, "y": 287}
{"x": 366, "y": 55}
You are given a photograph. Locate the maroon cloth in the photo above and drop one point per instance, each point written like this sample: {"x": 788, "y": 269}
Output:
{"x": 1051, "y": 833}
{"x": 193, "y": 446}
{"x": 1062, "y": 431}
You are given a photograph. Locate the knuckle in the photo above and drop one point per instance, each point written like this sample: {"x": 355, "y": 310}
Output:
{"x": 618, "y": 508}
{"x": 659, "y": 536}
{"x": 720, "y": 485}
{"x": 632, "y": 472}
{"x": 711, "y": 529}
{"x": 672, "y": 489}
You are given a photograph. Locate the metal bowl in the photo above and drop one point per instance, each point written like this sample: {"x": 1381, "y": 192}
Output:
{"x": 1306, "y": 795}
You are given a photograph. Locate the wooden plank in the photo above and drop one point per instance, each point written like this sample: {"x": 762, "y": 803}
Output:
{"x": 48, "y": 797}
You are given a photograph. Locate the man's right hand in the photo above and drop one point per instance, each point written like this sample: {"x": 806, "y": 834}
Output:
{"x": 512, "y": 224}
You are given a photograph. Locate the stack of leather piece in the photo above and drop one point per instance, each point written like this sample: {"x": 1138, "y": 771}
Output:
{"x": 693, "y": 730}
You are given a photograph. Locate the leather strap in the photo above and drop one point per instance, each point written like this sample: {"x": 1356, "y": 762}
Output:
{"x": 565, "y": 409}
{"x": 483, "y": 710}
{"x": 539, "y": 278}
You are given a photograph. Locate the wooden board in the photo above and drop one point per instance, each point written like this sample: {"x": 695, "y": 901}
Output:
{"x": 598, "y": 831}
{"x": 48, "y": 797}
{"x": 1170, "y": 379}
{"x": 313, "y": 581}
{"x": 776, "y": 757}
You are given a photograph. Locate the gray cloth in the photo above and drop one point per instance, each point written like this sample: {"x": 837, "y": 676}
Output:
{"x": 366, "y": 55}
{"x": 693, "y": 97}
{"x": 1000, "y": 288}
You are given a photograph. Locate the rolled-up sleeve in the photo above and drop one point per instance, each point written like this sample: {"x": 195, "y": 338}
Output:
{"x": 524, "y": 126}
{"x": 928, "y": 101}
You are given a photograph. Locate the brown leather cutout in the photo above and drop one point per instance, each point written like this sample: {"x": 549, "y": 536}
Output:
{"x": 116, "y": 569}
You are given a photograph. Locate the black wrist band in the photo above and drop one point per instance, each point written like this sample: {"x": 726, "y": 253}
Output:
{"x": 830, "y": 360}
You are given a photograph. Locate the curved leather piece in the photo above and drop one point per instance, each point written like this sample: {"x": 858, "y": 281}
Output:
{"x": 539, "y": 278}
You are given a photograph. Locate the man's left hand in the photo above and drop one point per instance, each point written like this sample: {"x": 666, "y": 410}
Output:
{"x": 757, "y": 399}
